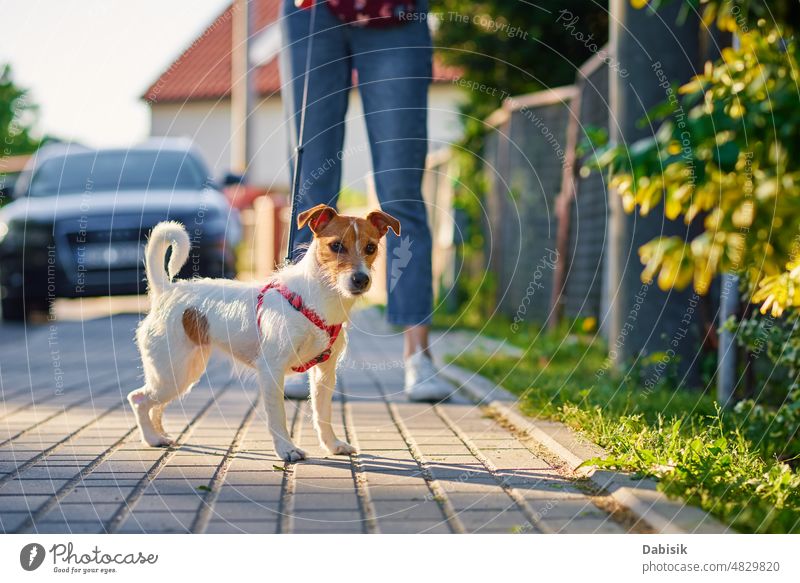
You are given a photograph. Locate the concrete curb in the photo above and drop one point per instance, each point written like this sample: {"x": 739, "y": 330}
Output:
{"x": 640, "y": 496}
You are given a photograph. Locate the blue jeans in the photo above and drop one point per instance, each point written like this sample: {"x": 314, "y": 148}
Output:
{"x": 393, "y": 66}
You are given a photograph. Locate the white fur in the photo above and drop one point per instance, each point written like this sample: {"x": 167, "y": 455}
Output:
{"x": 173, "y": 363}
{"x": 165, "y": 235}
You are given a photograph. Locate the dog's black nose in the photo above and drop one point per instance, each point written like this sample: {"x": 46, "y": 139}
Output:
{"x": 359, "y": 280}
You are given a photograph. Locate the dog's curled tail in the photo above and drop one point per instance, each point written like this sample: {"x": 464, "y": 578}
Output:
{"x": 162, "y": 237}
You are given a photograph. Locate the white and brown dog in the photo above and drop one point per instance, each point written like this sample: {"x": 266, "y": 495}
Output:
{"x": 292, "y": 323}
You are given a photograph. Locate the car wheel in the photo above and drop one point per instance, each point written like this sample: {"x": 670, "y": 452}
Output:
{"x": 13, "y": 309}
{"x": 19, "y": 309}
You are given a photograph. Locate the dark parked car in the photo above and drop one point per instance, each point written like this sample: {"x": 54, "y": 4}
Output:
{"x": 80, "y": 218}
{"x": 10, "y": 169}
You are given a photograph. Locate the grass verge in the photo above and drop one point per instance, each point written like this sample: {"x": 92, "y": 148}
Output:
{"x": 696, "y": 451}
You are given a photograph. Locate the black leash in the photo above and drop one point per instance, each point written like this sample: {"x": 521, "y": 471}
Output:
{"x": 298, "y": 151}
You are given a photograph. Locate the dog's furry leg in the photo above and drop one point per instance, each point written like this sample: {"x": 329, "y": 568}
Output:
{"x": 270, "y": 380}
{"x": 142, "y": 404}
{"x": 323, "y": 383}
{"x": 156, "y": 416}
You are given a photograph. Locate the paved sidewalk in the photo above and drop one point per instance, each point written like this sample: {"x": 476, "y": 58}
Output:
{"x": 70, "y": 460}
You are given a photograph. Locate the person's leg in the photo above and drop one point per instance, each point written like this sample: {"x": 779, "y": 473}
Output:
{"x": 394, "y": 71}
{"x": 328, "y": 91}
{"x": 415, "y": 339}
{"x": 394, "y": 68}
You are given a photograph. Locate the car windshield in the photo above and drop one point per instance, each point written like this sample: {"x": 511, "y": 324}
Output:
{"x": 118, "y": 170}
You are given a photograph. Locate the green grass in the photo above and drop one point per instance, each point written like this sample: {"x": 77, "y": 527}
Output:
{"x": 681, "y": 437}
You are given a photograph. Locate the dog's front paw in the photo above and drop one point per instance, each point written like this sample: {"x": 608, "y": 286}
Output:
{"x": 291, "y": 453}
{"x": 157, "y": 440}
{"x": 342, "y": 448}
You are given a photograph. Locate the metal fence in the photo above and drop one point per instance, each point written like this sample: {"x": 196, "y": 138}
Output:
{"x": 583, "y": 279}
{"x": 546, "y": 223}
{"x": 526, "y": 152}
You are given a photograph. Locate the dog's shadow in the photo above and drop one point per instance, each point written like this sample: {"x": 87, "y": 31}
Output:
{"x": 448, "y": 474}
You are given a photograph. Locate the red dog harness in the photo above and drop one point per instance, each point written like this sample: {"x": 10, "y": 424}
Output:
{"x": 297, "y": 303}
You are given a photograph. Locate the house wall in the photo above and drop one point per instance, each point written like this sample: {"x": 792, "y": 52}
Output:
{"x": 208, "y": 124}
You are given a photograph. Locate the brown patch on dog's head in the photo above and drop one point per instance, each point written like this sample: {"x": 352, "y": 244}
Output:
{"x": 316, "y": 217}
{"x": 347, "y": 246}
{"x": 383, "y": 222}
{"x": 195, "y": 324}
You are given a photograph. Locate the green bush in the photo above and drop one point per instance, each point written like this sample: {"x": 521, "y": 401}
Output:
{"x": 772, "y": 418}
{"x": 722, "y": 158}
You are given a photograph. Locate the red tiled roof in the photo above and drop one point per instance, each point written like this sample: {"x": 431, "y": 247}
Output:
{"x": 203, "y": 70}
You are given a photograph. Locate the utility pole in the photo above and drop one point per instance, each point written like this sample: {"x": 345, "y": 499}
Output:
{"x": 657, "y": 52}
{"x": 242, "y": 100}
{"x": 727, "y": 354}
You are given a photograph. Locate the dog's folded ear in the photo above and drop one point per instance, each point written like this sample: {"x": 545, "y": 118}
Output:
{"x": 383, "y": 222}
{"x": 316, "y": 217}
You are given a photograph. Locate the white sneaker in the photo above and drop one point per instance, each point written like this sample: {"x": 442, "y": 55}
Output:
{"x": 296, "y": 387}
{"x": 423, "y": 382}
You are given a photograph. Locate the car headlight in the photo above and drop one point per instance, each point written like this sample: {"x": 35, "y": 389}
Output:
{"x": 18, "y": 234}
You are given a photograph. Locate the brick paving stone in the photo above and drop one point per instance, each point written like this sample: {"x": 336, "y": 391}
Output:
{"x": 231, "y": 493}
{"x": 167, "y": 522}
{"x": 95, "y": 511}
{"x": 484, "y": 521}
{"x": 68, "y": 526}
{"x": 242, "y": 527}
{"x": 414, "y": 527}
{"x": 328, "y": 527}
{"x": 586, "y": 526}
{"x": 248, "y": 510}
{"x": 103, "y": 495}
{"x": 10, "y": 521}
{"x": 578, "y": 508}
{"x": 409, "y": 490}
{"x": 169, "y": 502}
{"x": 408, "y": 510}
{"x": 492, "y": 501}
{"x": 32, "y": 487}
{"x": 327, "y": 500}
{"x": 70, "y": 463}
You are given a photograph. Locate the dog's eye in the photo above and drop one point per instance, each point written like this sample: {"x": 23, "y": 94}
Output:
{"x": 337, "y": 247}
{"x": 370, "y": 248}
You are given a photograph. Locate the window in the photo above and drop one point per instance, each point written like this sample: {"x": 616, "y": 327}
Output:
{"x": 117, "y": 170}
